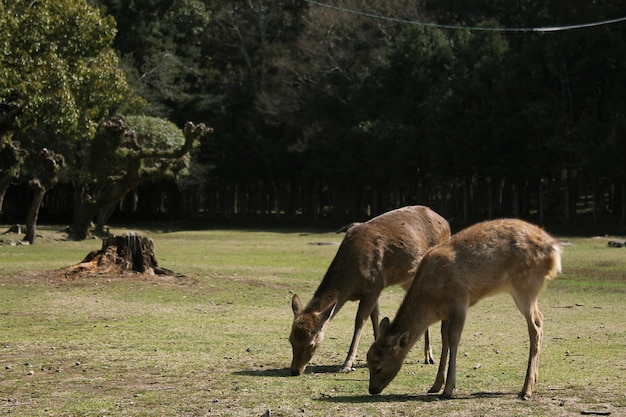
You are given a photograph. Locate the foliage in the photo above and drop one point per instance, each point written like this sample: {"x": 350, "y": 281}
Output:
{"x": 161, "y": 45}
{"x": 374, "y": 102}
{"x": 156, "y": 133}
{"x": 58, "y": 63}
{"x": 111, "y": 153}
{"x": 310, "y": 97}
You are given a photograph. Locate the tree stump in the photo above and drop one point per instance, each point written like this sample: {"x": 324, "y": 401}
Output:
{"x": 128, "y": 253}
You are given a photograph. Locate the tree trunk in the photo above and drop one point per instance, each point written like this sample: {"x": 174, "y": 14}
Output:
{"x": 33, "y": 211}
{"x": 83, "y": 212}
{"x": 104, "y": 215}
{"x": 80, "y": 225}
{"x": 623, "y": 202}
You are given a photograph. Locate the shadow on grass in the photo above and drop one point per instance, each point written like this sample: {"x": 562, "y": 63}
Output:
{"x": 366, "y": 398}
{"x": 276, "y": 372}
{"x": 486, "y": 394}
{"x": 311, "y": 369}
{"x": 322, "y": 369}
{"x": 400, "y": 398}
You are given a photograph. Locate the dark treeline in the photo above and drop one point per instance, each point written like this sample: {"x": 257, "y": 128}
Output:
{"x": 328, "y": 115}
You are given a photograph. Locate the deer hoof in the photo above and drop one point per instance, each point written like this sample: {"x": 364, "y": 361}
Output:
{"x": 346, "y": 369}
{"x": 445, "y": 396}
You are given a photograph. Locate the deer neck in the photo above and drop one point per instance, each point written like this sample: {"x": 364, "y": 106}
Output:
{"x": 321, "y": 300}
{"x": 413, "y": 317}
{"x": 329, "y": 291}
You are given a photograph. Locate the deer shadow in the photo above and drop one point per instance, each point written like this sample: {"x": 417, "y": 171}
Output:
{"x": 366, "y": 398}
{"x": 400, "y": 398}
{"x": 275, "y": 372}
{"x": 279, "y": 372}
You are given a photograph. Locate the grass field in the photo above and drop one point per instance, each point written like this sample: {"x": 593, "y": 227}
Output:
{"x": 213, "y": 341}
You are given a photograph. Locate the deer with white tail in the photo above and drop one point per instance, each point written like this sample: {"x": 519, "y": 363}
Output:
{"x": 373, "y": 255}
{"x": 506, "y": 255}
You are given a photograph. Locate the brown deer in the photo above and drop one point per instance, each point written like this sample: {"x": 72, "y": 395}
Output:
{"x": 373, "y": 255}
{"x": 491, "y": 257}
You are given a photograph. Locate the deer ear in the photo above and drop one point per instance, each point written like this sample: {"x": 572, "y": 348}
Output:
{"x": 403, "y": 340}
{"x": 382, "y": 327}
{"x": 296, "y": 305}
{"x": 327, "y": 313}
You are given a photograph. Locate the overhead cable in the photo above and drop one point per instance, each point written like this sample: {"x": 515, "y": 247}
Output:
{"x": 471, "y": 28}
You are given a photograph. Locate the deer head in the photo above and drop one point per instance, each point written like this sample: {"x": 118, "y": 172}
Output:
{"x": 385, "y": 357}
{"x": 307, "y": 332}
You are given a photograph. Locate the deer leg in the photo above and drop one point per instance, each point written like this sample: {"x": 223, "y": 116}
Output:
{"x": 366, "y": 307}
{"x": 428, "y": 351}
{"x": 374, "y": 316}
{"x": 443, "y": 362}
{"x": 456, "y": 321}
{"x": 534, "y": 319}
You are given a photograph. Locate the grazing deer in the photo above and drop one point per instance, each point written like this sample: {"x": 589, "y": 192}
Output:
{"x": 381, "y": 252}
{"x": 491, "y": 257}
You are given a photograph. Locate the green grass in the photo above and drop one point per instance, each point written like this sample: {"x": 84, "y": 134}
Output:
{"x": 214, "y": 342}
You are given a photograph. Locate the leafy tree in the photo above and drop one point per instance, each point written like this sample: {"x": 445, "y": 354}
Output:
{"x": 51, "y": 53}
{"x": 57, "y": 65}
{"x": 125, "y": 153}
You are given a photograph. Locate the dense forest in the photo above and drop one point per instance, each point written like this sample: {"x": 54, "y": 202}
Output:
{"x": 320, "y": 112}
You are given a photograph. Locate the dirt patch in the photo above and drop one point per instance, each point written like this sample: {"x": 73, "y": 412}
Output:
{"x": 79, "y": 274}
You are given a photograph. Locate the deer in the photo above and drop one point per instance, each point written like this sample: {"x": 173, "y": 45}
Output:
{"x": 381, "y": 252}
{"x": 506, "y": 255}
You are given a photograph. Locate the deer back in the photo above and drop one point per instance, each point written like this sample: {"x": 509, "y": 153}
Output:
{"x": 506, "y": 255}
{"x": 383, "y": 251}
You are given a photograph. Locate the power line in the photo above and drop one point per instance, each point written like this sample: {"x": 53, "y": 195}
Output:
{"x": 472, "y": 28}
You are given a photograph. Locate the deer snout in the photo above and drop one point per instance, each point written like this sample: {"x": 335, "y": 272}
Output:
{"x": 301, "y": 358}
{"x": 296, "y": 372}
{"x": 375, "y": 390}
